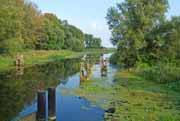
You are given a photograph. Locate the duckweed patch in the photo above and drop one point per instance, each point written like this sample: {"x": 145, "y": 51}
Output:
{"x": 133, "y": 98}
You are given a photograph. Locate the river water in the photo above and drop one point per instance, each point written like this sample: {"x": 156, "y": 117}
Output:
{"x": 18, "y": 90}
{"x": 132, "y": 99}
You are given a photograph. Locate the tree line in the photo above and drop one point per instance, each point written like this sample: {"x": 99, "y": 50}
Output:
{"x": 24, "y": 27}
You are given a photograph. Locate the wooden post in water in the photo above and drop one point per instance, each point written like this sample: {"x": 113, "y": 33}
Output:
{"x": 52, "y": 103}
{"x": 41, "y": 106}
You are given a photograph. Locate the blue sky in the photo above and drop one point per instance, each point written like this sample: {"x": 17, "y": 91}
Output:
{"x": 89, "y": 15}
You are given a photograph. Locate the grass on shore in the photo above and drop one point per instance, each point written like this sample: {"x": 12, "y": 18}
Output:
{"x": 34, "y": 57}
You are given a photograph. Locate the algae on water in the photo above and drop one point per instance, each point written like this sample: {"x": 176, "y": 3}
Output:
{"x": 133, "y": 98}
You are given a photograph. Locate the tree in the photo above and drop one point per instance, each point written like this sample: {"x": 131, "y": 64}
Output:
{"x": 11, "y": 25}
{"x": 24, "y": 27}
{"x": 74, "y": 37}
{"x": 88, "y": 40}
{"x": 92, "y": 42}
{"x": 20, "y": 25}
{"x": 53, "y": 33}
{"x": 32, "y": 25}
{"x": 97, "y": 42}
{"x": 169, "y": 32}
{"x": 130, "y": 22}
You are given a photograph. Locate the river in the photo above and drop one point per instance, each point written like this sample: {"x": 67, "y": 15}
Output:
{"x": 18, "y": 90}
{"x": 90, "y": 100}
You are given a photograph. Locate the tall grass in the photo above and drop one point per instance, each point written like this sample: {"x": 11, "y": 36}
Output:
{"x": 161, "y": 72}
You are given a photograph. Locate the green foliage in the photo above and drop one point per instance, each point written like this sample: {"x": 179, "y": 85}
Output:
{"x": 24, "y": 27}
{"x": 53, "y": 33}
{"x": 130, "y": 23}
{"x": 146, "y": 41}
{"x": 74, "y": 37}
{"x": 92, "y": 42}
{"x": 10, "y": 20}
{"x": 10, "y": 23}
{"x": 32, "y": 25}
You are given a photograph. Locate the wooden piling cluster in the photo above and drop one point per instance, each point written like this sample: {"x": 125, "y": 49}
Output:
{"x": 85, "y": 71}
{"x": 19, "y": 62}
{"x": 52, "y": 103}
{"x": 41, "y": 105}
{"x": 103, "y": 63}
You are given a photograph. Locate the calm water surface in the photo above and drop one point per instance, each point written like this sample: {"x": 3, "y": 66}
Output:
{"x": 132, "y": 99}
{"x": 18, "y": 89}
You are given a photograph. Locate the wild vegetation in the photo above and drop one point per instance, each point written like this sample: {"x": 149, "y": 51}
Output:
{"x": 147, "y": 42}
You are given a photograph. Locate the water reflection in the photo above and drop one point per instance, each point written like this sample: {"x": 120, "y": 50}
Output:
{"x": 18, "y": 87}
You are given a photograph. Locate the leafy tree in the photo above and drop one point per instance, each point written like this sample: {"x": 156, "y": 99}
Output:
{"x": 169, "y": 32}
{"x": 54, "y": 33}
{"x": 92, "y": 42}
{"x": 10, "y": 24}
{"x": 88, "y": 40}
{"x": 74, "y": 37}
{"x": 130, "y": 22}
{"x": 97, "y": 42}
{"x": 32, "y": 25}
{"x": 20, "y": 25}
{"x": 23, "y": 26}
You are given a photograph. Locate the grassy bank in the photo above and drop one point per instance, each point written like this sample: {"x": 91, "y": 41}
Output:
{"x": 34, "y": 57}
{"x": 38, "y": 57}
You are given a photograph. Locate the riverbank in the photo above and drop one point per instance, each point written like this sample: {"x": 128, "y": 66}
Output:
{"x": 38, "y": 57}
{"x": 132, "y": 97}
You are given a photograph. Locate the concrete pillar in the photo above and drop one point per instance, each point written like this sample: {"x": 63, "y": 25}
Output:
{"x": 52, "y": 103}
{"x": 41, "y": 106}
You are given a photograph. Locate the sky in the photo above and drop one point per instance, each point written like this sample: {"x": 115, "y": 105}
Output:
{"x": 89, "y": 15}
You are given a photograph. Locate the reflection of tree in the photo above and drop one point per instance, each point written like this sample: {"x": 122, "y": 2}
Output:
{"x": 86, "y": 66}
{"x": 92, "y": 58}
{"x": 11, "y": 97}
{"x": 16, "y": 91}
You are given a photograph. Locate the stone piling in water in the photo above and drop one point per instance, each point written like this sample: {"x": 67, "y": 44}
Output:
{"x": 52, "y": 103}
{"x": 41, "y": 106}
{"x": 19, "y": 60}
